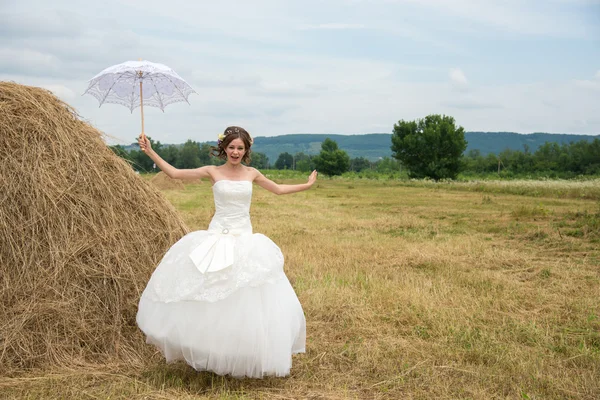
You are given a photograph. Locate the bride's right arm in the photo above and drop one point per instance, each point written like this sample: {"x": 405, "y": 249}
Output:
{"x": 171, "y": 171}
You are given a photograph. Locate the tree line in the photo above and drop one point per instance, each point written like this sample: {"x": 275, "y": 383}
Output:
{"x": 189, "y": 155}
{"x": 330, "y": 161}
{"x": 555, "y": 160}
{"x": 306, "y": 163}
{"x": 432, "y": 147}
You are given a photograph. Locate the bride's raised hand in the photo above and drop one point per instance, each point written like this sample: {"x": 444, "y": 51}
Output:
{"x": 144, "y": 144}
{"x": 312, "y": 177}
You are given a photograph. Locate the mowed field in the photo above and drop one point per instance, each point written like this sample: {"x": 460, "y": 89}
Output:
{"x": 410, "y": 291}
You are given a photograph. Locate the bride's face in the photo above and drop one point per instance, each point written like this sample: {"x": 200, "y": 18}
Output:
{"x": 235, "y": 151}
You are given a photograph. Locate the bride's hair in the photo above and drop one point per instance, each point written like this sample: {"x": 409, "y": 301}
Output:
{"x": 230, "y": 133}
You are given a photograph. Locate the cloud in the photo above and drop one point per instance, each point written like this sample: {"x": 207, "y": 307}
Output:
{"x": 286, "y": 89}
{"x": 331, "y": 26}
{"x": 280, "y": 110}
{"x": 534, "y": 17}
{"x": 26, "y": 61}
{"x": 458, "y": 77}
{"x": 230, "y": 111}
{"x": 458, "y": 80}
{"x": 474, "y": 99}
{"x": 61, "y": 91}
{"x": 204, "y": 79}
{"x": 63, "y": 44}
{"x": 592, "y": 84}
{"x": 313, "y": 66}
{"x": 472, "y": 105}
{"x": 50, "y": 23}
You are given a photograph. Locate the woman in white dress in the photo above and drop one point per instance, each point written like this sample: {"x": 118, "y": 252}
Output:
{"x": 219, "y": 299}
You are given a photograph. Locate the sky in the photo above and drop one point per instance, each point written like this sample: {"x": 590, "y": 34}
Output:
{"x": 280, "y": 67}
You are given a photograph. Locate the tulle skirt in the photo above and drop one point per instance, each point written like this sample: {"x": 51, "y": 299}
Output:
{"x": 242, "y": 321}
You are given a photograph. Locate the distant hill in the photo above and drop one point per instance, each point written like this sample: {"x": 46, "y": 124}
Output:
{"x": 372, "y": 145}
{"x": 495, "y": 142}
{"x": 376, "y": 145}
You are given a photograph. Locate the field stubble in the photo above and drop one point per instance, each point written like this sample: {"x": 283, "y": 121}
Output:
{"x": 409, "y": 292}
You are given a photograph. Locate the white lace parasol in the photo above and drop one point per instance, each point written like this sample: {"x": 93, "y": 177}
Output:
{"x": 138, "y": 84}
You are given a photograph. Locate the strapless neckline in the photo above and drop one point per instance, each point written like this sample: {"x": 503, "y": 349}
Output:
{"x": 231, "y": 180}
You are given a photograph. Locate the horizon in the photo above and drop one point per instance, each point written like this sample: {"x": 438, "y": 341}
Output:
{"x": 384, "y": 133}
{"x": 348, "y": 134}
{"x": 354, "y": 134}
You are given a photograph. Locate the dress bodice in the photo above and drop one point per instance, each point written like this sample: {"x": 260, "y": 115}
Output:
{"x": 232, "y": 207}
{"x": 211, "y": 264}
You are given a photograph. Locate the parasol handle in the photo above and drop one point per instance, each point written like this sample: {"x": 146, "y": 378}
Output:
{"x": 142, "y": 106}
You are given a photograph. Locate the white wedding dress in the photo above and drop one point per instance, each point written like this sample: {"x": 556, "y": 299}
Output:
{"x": 219, "y": 299}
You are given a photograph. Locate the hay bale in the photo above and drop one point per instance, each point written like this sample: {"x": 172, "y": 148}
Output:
{"x": 164, "y": 182}
{"x": 192, "y": 181}
{"x": 80, "y": 234}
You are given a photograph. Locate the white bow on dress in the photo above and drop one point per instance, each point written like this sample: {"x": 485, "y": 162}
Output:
{"x": 215, "y": 253}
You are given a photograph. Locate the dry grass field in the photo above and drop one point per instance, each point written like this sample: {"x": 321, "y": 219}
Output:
{"x": 410, "y": 292}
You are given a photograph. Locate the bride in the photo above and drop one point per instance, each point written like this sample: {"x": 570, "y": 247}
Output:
{"x": 219, "y": 299}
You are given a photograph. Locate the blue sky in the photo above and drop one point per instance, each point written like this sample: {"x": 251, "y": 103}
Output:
{"x": 329, "y": 66}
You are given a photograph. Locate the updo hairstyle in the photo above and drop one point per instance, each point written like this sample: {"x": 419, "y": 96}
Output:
{"x": 231, "y": 133}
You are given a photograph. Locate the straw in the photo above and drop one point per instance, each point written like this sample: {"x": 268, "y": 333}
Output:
{"x": 80, "y": 234}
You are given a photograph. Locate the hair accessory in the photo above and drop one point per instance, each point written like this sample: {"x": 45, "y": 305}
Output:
{"x": 222, "y": 136}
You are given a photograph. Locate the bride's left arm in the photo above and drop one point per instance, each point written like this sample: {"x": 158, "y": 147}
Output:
{"x": 276, "y": 188}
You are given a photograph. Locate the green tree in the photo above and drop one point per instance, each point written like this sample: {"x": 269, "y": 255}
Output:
{"x": 156, "y": 146}
{"x": 359, "y": 164}
{"x": 284, "y": 161}
{"x": 331, "y": 160}
{"x": 429, "y": 147}
{"x": 189, "y": 155}
{"x": 387, "y": 165}
{"x": 120, "y": 151}
{"x": 170, "y": 154}
{"x": 303, "y": 162}
{"x": 260, "y": 160}
{"x": 140, "y": 161}
{"x": 492, "y": 163}
{"x": 204, "y": 156}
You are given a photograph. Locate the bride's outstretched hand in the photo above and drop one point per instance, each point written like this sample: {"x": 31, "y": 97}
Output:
{"x": 144, "y": 144}
{"x": 312, "y": 177}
